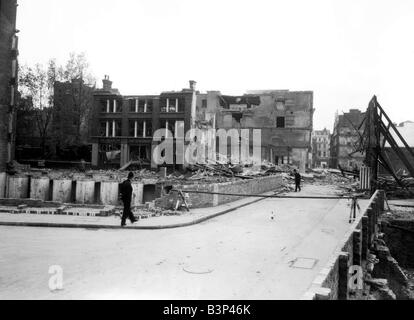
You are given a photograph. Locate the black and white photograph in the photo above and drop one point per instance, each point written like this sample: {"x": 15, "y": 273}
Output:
{"x": 206, "y": 150}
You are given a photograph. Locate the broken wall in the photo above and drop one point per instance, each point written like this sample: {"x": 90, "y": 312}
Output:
{"x": 285, "y": 118}
{"x": 208, "y": 199}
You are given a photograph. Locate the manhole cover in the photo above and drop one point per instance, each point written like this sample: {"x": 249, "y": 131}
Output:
{"x": 197, "y": 269}
{"x": 304, "y": 263}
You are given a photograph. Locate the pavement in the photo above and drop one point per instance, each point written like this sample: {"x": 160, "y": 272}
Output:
{"x": 244, "y": 254}
{"x": 113, "y": 222}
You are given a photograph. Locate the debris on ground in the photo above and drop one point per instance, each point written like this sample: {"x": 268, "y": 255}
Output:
{"x": 394, "y": 190}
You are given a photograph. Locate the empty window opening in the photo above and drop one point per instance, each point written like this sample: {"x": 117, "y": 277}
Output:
{"x": 280, "y": 122}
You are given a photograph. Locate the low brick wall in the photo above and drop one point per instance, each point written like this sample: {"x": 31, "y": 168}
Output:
{"x": 332, "y": 282}
{"x": 204, "y": 200}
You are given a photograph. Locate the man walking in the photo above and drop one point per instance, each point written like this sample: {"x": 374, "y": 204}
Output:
{"x": 298, "y": 178}
{"x": 126, "y": 197}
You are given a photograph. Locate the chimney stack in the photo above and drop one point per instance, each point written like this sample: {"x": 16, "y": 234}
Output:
{"x": 107, "y": 84}
{"x": 193, "y": 85}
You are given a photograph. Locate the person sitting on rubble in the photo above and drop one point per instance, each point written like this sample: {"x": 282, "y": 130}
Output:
{"x": 126, "y": 197}
{"x": 298, "y": 178}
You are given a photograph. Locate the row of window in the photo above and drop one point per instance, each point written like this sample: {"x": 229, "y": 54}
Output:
{"x": 167, "y": 105}
{"x": 322, "y": 154}
{"x": 138, "y": 128}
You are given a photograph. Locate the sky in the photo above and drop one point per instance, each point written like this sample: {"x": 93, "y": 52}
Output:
{"x": 343, "y": 51}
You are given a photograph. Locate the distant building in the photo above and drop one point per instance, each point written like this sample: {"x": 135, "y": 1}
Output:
{"x": 8, "y": 80}
{"x": 73, "y": 104}
{"x": 345, "y": 140}
{"x": 284, "y": 117}
{"x": 321, "y": 140}
{"x": 66, "y": 123}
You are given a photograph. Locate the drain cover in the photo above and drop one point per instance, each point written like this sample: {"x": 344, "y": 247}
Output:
{"x": 197, "y": 269}
{"x": 304, "y": 263}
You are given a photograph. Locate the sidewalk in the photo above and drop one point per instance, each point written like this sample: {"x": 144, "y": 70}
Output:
{"x": 195, "y": 216}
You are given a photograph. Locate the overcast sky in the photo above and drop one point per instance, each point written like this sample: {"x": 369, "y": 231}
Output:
{"x": 344, "y": 51}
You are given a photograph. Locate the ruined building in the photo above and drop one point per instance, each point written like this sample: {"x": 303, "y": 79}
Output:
{"x": 8, "y": 80}
{"x": 284, "y": 117}
{"x": 123, "y": 126}
{"x": 321, "y": 140}
{"x": 345, "y": 140}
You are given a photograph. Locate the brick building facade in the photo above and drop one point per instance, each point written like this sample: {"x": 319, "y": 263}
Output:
{"x": 345, "y": 138}
{"x": 72, "y": 107}
{"x": 321, "y": 140}
{"x": 284, "y": 117}
{"x": 123, "y": 126}
{"x": 8, "y": 80}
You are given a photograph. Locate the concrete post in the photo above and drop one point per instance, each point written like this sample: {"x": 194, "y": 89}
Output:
{"x": 137, "y": 194}
{"x": 18, "y": 187}
{"x": 343, "y": 276}
{"x": 62, "y": 191}
{"x": 109, "y": 193}
{"x": 357, "y": 247}
{"x": 40, "y": 188}
{"x": 85, "y": 191}
{"x": 370, "y": 224}
{"x": 381, "y": 200}
{"x": 364, "y": 238}
{"x": 374, "y": 217}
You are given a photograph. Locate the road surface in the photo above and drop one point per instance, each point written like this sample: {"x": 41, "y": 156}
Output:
{"x": 242, "y": 255}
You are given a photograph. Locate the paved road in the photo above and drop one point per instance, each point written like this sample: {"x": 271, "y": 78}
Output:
{"x": 242, "y": 255}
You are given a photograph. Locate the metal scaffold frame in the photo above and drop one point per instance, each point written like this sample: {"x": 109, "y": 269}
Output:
{"x": 378, "y": 131}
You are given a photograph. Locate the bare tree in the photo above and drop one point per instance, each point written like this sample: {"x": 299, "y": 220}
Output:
{"x": 37, "y": 82}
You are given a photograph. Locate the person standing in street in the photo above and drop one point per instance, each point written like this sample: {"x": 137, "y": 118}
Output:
{"x": 298, "y": 179}
{"x": 126, "y": 197}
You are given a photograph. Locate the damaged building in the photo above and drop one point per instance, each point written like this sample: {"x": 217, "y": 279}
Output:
{"x": 284, "y": 117}
{"x": 345, "y": 140}
{"x": 123, "y": 126}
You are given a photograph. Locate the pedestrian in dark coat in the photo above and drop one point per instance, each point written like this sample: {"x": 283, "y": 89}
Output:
{"x": 126, "y": 197}
{"x": 298, "y": 179}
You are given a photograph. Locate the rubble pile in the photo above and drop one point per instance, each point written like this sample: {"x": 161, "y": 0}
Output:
{"x": 394, "y": 189}
{"x": 226, "y": 171}
{"x": 347, "y": 183}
